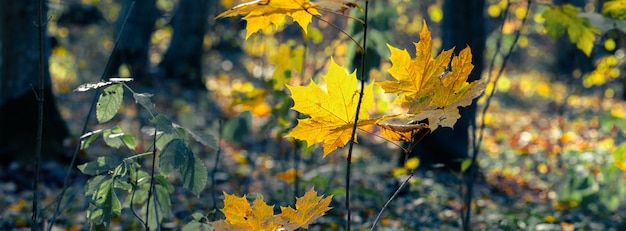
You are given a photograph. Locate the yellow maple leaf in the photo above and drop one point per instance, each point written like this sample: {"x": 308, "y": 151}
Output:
{"x": 241, "y": 216}
{"x": 424, "y": 86}
{"x": 451, "y": 91}
{"x": 332, "y": 112}
{"x": 264, "y": 13}
{"x": 309, "y": 208}
{"x": 413, "y": 75}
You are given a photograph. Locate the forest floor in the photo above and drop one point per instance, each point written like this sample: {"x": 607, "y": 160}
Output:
{"x": 542, "y": 168}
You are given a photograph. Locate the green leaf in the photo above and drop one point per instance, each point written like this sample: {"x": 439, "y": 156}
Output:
{"x": 143, "y": 99}
{"x": 105, "y": 204}
{"x": 161, "y": 180}
{"x": 162, "y": 124}
{"x": 100, "y": 166}
{"x": 165, "y": 138}
{"x": 160, "y": 207}
{"x": 129, "y": 141}
{"x": 196, "y": 225}
{"x": 177, "y": 155}
{"x": 115, "y": 137}
{"x": 93, "y": 184}
{"x": 562, "y": 19}
{"x": 91, "y": 136}
{"x": 109, "y": 102}
{"x": 203, "y": 137}
{"x": 112, "y": 136}
{"x": 466, "y": 164}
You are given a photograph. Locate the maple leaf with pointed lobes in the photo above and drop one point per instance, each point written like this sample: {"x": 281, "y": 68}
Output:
{"x": 241, "y": 216}
{"x": 413, "y": 75}
{"x": 562, "y": 19}
{"x": 309, "y": 208}
{"x": 264, "y": 13}
{"x": 451, "y": 91}
{"x": 332, "y": 112}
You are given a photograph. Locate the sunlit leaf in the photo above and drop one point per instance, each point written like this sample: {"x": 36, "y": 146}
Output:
{"x": 261, "y": 14}
{"x": 109, "y": 102}
{"x": 309, "y": 208}
{"x": 332, "y": 112}
{"x": 87, "y": 138}
{"x": 240, "y": 215}
{"x": 91, "y": 86}
{"x": 426, "y": 88}
{"x": 412, "y": 76}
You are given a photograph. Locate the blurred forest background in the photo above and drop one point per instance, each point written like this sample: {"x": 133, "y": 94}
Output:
{"x": 552, "y": 157}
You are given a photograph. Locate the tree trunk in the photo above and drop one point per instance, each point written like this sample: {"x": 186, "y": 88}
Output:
{"x": 19, "y": 61}
{"x": 183, "y": 59}
{"x": 134, "y": 44}
{"x": 463, "y": 25}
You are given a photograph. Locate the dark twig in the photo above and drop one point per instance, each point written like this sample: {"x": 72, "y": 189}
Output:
{"x": 476, "y": 141}
{"x": 151, "y": 189}
{"x": 40, "y": 99}
{"x": 391, "y": 198}
{"x": 84, "y": 129}
{"x": 216, "y": 164}
{"x": 356, "y": 118}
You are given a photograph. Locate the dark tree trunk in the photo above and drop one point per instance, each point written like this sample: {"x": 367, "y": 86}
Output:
{"x": 183, "y": 59}
{"x": 134, "y": 44}
{"x": 463, "y": 25}
{"x": 19, "y": 60}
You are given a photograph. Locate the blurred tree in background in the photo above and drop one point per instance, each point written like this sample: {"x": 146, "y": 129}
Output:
{"x": 463, "y": 25}
{"x": 19, "y": 61}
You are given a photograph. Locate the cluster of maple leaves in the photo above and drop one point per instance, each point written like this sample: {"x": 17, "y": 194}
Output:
{"x": 425, "y": 87}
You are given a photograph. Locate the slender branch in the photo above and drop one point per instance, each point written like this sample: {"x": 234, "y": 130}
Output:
{"x": 216, "y": 164}
{"x": 132, "y": 197}
{"x": 151, "y": 189}
{"x": 84, "y": 129}
{"x": 395, "y": 193}
{"x": 40, "y": 99}
{"x": 361, "y": 47}
{"x": 363, "y": 22}
{"x": 476, "y": 141}
{"x": 356, "y": 119}
{"x": 343, "y": 15}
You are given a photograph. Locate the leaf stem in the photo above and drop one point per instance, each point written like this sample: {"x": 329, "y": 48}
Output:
{"x": 356, "y": 118}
